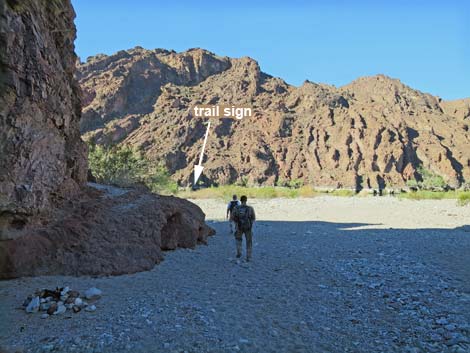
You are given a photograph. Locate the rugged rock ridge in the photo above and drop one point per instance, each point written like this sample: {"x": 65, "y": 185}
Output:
{"x": 128, "y": 83}
{"x": 373, "y": 132}
{"x": 42, "y": 157}
{"x": 51, "y": 222}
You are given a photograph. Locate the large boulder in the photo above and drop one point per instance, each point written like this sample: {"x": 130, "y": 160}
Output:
{"x": 106, "y": 232}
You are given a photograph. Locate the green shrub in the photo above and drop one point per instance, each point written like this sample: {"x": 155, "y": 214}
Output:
{"x": 159, "y": 181}
{"x": 115, "y": 165}
{"x": 343, "y": 193}
{"x": 429, "y": 181}
{"x": 124, "y": 167}
{"x": 412, "y": 184}
{"x": 464, "y": 198}
{"x": 295, "y": 183}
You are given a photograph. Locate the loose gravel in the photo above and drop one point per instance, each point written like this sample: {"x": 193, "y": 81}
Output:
{"x": 328, "y": 275}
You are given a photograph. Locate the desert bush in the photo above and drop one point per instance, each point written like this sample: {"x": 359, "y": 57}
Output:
{"x": 429, "y": 181}
{"x": 343, "y": 193}
{"x": 122, "y": 166}
{"x": 464, "y": 198}
{"x": 262, "y": 192}
{"x": 295, "y": 183}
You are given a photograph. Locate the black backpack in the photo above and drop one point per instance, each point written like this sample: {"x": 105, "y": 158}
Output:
{"x": 243, "y": 218}
{"x": 233, "y": 204}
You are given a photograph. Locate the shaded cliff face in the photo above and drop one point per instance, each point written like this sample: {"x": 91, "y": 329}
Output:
{"x": 373, "y": 132}
{"x": 42, "y": 157}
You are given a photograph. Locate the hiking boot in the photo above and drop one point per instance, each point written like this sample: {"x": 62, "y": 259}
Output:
{"x": 239, "y": 255}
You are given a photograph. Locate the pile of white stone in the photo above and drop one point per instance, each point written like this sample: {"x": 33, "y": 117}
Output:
{"x": 58, "y": 301}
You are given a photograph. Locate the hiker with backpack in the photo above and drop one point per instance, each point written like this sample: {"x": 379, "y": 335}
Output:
{"x": 244, "y": 217}
{"x": 230, "y": 208}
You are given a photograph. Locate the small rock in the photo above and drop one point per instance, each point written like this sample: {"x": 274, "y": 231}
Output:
{"x": 45, "y": 306}
{"x": 65, "y": 291}
{"x": 44, "y": 316}
{"x": 243, "y": 340}
{"x": 33, "y": 306}
{"x": 90, "y": 308}
{"x": 47, "y": 348}
{"x": 78, "y": 302}
{"x": 27, "y": 301}
{"x": 60, "y": 309}
{"x": 76, "y": 309}
{"x": 442, "y": 321}
{"x": 73, "y": 294}
{"x": 93, "y": 293}
{"x": 450, "y": 327}
{"x": 166, "y": 345}
{"x": 52, "y": 309}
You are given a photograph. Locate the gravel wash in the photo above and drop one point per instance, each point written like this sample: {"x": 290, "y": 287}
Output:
{"x": 313, "y": 286}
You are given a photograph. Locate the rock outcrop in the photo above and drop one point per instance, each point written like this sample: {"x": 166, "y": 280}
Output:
{"x": 374, "y": 132}
{"x": 42, "y": 156}
{"x": 51, "y": 222}
{"x": 108, "y": 232}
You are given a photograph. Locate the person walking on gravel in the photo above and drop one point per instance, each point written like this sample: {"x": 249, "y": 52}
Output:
{"x": 230, "y": 208}
{"x": 244, "y": 217}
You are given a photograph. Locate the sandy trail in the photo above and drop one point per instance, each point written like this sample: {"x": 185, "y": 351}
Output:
{"x": 329, "y": 275}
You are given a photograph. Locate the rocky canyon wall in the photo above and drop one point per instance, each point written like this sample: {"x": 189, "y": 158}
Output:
{"x": 42, "y": 157}
{"x": 51, "y": 221}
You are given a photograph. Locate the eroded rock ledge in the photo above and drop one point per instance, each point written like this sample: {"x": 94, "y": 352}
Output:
{"x": 107, "y": 232}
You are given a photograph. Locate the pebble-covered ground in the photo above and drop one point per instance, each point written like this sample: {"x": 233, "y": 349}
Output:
{"x": 328, "y": 275}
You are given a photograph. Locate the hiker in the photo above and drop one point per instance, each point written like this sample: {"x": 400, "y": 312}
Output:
{"x": 244, "y": 217}
{"x": 230, "y": 207}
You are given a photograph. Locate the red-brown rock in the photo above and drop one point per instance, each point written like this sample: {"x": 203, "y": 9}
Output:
{"x": 106, "y": 232}
{"x": 374, "y": 132}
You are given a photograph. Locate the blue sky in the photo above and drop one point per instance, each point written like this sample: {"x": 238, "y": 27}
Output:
{"x": 426, "y": 44}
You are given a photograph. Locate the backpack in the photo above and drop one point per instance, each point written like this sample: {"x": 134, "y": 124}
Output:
{"x": 233, "y": 204}
{"x": 243, "y": 218}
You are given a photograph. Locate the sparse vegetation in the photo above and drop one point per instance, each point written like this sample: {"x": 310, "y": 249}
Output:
{"x": 293, "y": 184}
{"x": 429, "y": 181}
{"x": 464, "y": 198}
{"x": 265, "y": 192}
{"x": 124, "y": 167}
{"x": 343, "y": 193}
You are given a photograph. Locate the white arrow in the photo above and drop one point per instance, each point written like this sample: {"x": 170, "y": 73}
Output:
{"x": 199, "y": 168}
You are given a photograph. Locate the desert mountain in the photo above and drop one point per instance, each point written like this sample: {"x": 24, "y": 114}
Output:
{"x": 373, "y": 132}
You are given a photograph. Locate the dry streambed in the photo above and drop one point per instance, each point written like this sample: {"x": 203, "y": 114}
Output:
{"x": 329, "y": 275}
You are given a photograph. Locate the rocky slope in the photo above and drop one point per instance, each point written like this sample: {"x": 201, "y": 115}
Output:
{"x": 51, "y": 222}
{"x": 373, "y": 132}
